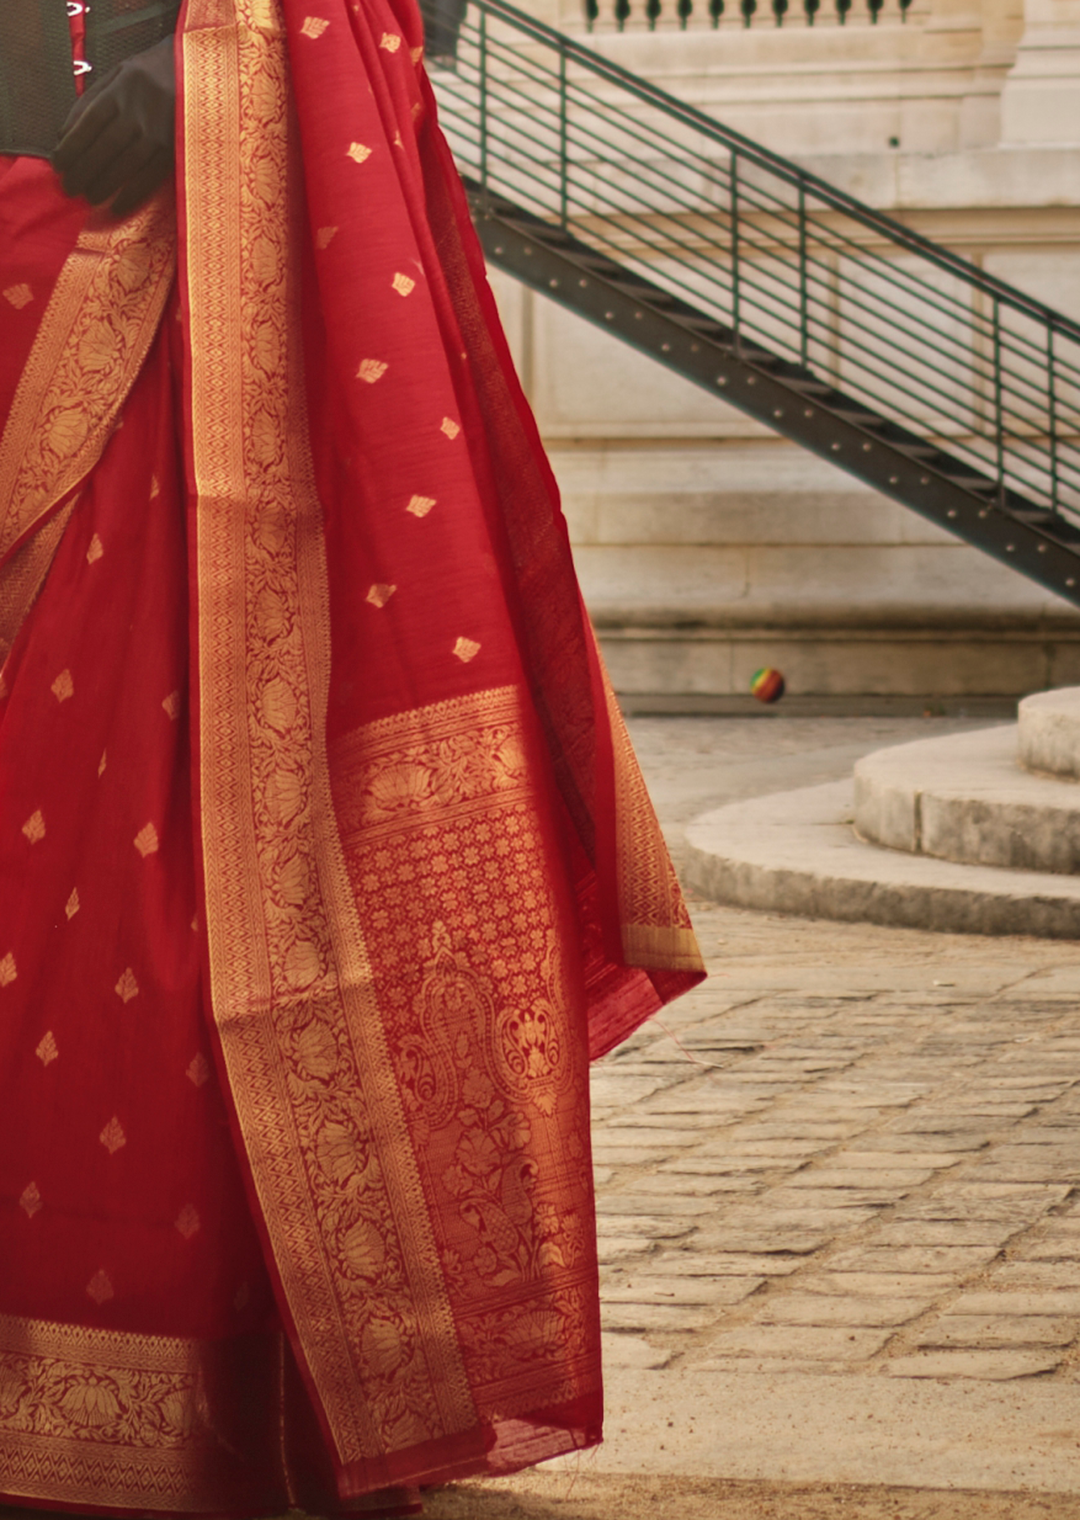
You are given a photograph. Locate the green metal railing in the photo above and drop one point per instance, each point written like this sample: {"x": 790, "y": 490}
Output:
{"x": 776, "y": 263}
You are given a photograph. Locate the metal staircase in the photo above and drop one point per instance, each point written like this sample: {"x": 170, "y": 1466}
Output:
{"x": 837, "y": 326}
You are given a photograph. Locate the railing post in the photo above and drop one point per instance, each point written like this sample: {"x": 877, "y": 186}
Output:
{"x": 804, "y": 294}
{"x": 564, "y": 157}
{"x": 735, "y": 247}
{"x": 1051, "y": 394}
{"x": 483, "y": 100}
{"x": 999, "y": 416}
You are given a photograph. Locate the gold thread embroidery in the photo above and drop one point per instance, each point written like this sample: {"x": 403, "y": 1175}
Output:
{"x": 127, "y": 987}
{"x": 71, "y": 907}
{"x": 313, "y": 27}
{"x": 47, "y": 1050}
{"x": 23, "y": 573}
{"x": 402, "y": 284}
{"x": 358, "y": 152}
{"x": 188, "y": 1222}
{"x": 449, "y": 427}
{"x": 101, "y": 764}
{"x": 146, "y": 840}
{"x": 390, "y": 41}
{"x": 198, "y": 1071}
{"x": 34, "y": 827}
{"x": 30, "y": 1201}
{"x": 171, "y": 705}
{"x": 466, "y": 649}
{"x": 379, "y": 595}
{"x": 19, "y": 296}
{"x": 105, "y": 1419}
{"x": 112, "y": 1136}
{"x": 63, "y": 687}
{"x": 95, "y": 551}
{"x": 420, "y": 506}
{"x": 100, "y": 1288}
{"x": 8, "y": 973}
{"x": 371, "y": 370}
{"x": 325, "y": 236}
{"x": 384, "y": 1353}
{"x": 93, "y": 338}
{"x": 155, "y": 489}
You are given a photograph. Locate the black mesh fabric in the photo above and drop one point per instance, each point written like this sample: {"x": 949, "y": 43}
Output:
{"x": 37, "y": 85}
{"x": 37, "y": 82}
{"x": 119, "y": 28}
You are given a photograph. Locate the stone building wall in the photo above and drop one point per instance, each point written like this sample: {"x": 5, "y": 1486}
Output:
{"x": 707, "y": 546}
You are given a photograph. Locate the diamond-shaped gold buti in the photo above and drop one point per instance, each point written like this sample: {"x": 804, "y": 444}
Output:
{"x": 47, "y": 1051}
{"x": 101, "y": 764}
{"x": 325, "y": 236}
{"x": 7, "y": 970}
{"x": 30, "y": 1200}
{"x": 155, "y": 489}
{"x": 450, "y": 427}
{"x": 378, "y": 596}
{"x": 420, "y": 506}
{"x": 146, "y": 840}
{"x": 358, "y": 152}
{"x": 466, "y": 649}
{"x": 34, "y": 827}
{"x": 198, "y": 1072}
{"x": 63, "y": 687}
{"x": 112, "y": 1136}
{"x": 71, "y": 907}
{"x": 127, "y": 987}
{"x": 95, "y": 551}
{"x": 188, "y": 1221}
{"x": 171, "y": 705}
{"x": 313, "y": 27}
{"x": 99, "y": 1288}
{"x": 402, "y": 284}
{"x": 371, "y": 370}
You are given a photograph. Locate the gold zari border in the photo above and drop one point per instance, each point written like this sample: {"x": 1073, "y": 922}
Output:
{"x": 288, "y": 964}
{"x": 108, "y": 1419}
{"x": 93, "y": 339}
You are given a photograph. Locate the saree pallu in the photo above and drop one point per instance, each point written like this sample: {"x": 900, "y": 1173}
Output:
{"x": 301, "y": 1119}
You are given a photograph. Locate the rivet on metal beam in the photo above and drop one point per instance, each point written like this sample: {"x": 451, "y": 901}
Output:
{"x": 554, "y": 284}
{"x": 695, "y": 348}
{"x": 665, "y": 348}
{"x": 583, "y": 283}
{"x": 951, "y": 512}
{"x": 809, "y": 412}
{"x": 721, "y": 379}
{"x": 609, "y": 316}
{"x": 526, "y": 251}
{"x": 894, "y": 480}
{"x": 1010, "y": 548}
{"x": 867, "y": 447}
{"x": 835, "y": 448}
{"x": 498, "y": 250}
{"x": 1070, "y": 581}
{"x": 778, "y": 412}
{"x": 751, "y": 379}
{"x": 924, "y": 480}
{"x": 984, "y": 512}
{"x": 1042, "y": 548}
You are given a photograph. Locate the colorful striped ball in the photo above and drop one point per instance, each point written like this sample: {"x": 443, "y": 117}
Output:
{"x": 767, "y": 684}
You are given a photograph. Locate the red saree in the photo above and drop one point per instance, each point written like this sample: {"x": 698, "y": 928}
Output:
{"x": 295, "y": 1198}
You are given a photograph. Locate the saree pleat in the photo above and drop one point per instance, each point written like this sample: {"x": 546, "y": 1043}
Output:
{"x": 324, "y": 860}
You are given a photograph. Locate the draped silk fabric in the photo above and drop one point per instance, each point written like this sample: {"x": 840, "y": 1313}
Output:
{"x": 294, "y": 1175}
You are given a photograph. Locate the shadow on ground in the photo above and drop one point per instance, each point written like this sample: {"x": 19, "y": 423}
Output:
{"x": 593, "y": 1497}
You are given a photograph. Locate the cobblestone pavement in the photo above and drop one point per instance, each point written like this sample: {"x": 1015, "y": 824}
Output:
{"x": 853, "y": 1149}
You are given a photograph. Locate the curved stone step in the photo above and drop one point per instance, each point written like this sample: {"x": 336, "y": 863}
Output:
{"x": 1049, "y": 739}
{"x": 797, "y": 852}
{"x": 964, "y": 798}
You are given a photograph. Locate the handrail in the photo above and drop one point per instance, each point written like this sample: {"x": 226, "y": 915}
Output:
{"x": 877, "y": 221}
